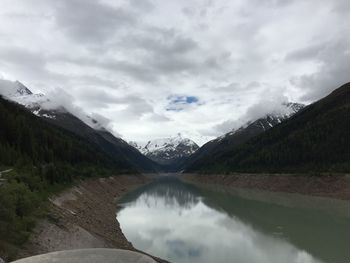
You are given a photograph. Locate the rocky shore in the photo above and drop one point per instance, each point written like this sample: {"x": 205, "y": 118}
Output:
{"x": 84, "y": 217}
{"x": 336, "y": 187}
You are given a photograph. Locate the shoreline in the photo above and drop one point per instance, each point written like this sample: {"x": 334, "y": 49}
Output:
{"x": 333, "y": 187}
{"x": 84, "y": 216}
{"x": 284, "y": 190}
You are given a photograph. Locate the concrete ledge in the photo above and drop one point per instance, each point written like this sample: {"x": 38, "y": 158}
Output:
{"x": 95, "y": 255}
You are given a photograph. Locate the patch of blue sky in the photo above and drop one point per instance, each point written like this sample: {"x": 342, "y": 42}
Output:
{"x": 178, "y": 103}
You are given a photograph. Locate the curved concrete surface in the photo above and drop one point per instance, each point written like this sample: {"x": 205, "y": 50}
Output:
{"x": 95, "y": 255}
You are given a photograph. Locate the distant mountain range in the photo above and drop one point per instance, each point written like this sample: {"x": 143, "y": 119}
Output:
{"x": 315, "y": 139}
{"x": 176, "y": 153}
{"x": 89, "y": 129}
{"x": 168, "y": 152}
{"x": 296, "y": 139}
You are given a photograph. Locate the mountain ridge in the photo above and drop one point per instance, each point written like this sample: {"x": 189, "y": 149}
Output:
{"x": 42, "y": 105}
{"x": 61, "y": 117}
{"x": 242, "y": 134}
{"x": 315, "y": 139}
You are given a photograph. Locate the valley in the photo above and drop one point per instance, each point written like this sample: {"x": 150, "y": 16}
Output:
{"x": 62, "y": 166}
{"x": 174, "y": 131}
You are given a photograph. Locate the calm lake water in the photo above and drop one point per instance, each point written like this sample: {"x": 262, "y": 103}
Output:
{"x": 183, "y": 223}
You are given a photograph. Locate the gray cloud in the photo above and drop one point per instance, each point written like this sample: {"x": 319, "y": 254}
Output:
{"x": 22, "y": 57}
{"x": 137, "y": 105}
{"x": 238, "y": 87}
{"x": 307, "y": 53}
{"x": 332, "y": 73}
{"x": 342, "y": 6}
{"x": 97, "y": 98}
{"x": 164, "y": 51}
{"x": 27, "y": 63}
{"x": 144, "y": 5}
{"x": 274, "y": 3}
{"x": 201, "y": 9}
{"x": 156, "y": 52}
{"x": 163, "y": 41}
{"x": 158, "y": 118}
{"x": 90, "y": 21}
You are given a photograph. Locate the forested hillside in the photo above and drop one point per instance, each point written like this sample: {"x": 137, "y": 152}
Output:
{"x": 105, "y": 141}
{"x": 27, "y": 139}
{"x": 238, "y": 137}
{"x": 317, "y": 139}
{"x": 41, "y": 158}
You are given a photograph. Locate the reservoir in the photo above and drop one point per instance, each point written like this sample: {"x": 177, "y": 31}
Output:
{"x": 184, "y": 223}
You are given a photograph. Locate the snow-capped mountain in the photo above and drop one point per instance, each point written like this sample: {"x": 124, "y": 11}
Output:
{"x": 41, "y": 105}
{"x": 19, "y": 93}
{"x": 269, "y": 120}
{"x": 315, "y": 138}
{"x": 76, "y": 121}
{"x": 241, "y": 135}
{"x": 167, "y": 150}
{"x": 13, "y": 89}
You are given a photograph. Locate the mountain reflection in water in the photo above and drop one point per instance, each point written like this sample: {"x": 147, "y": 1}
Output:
{"x": 180, "y": 223}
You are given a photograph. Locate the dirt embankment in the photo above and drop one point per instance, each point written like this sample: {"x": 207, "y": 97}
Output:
{"x": 337, "y": 187}
{"x": 84, "y": 217}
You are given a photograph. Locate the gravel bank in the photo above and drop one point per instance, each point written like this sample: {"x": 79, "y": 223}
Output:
{"x": 337, "y": 187}
{"x": 84, "y": 217}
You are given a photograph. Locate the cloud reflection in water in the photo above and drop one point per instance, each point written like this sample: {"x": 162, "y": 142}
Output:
{"x": 174, "y": 223}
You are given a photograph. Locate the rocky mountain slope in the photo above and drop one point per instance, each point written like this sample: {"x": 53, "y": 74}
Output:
{"x": 238, "y": 137}
{"x": 315, "y": 139}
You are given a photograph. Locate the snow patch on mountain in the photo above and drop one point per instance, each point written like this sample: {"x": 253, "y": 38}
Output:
{"x": 283, "y": 112}
{"x": 13, "y": 88}
{"x": 49, "y": 106}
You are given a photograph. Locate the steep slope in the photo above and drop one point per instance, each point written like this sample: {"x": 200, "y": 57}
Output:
{"x": 27, "y": 139}
{"x": 42, "y": 158}
{"x": 238, "y": 137}
{"x": 168, "y": 152}
{"x": 141, "y": 162}
{"x": 104, "y": 140}
{"x": 317, "y": 139}
{"x": 88, "y": 128}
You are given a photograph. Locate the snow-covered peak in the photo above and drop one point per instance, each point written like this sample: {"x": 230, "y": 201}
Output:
{"x": 32, "y": 100}
{"x": 279, "y": 114}
{"x": 286, "y": 110}
{"x": 166, "y": 148}
{"x": 13, "y": 89}
{"x": 266, "y": 122}
{"x": 44, "y": 106}
{"x": 165, "y": 143}
{"x": 16, "y": 91}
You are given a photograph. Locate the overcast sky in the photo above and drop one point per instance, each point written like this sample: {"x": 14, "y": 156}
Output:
{"x": 158, "y": 67}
